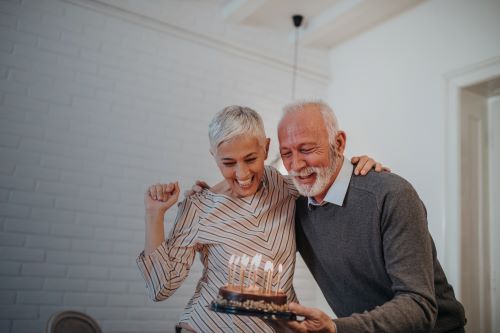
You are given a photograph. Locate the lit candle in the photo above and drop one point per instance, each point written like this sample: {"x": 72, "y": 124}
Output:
{"x": 267, "y": 269}
{"x": 257, "y": 265}
{"x": 280, "y": 269}
{"x": 243, "y": 267}
{"x": 235, "y": 265}
{"x": 270, "y": 279}
{"x": 230, "y": 266}
{"x": 251, "y": 270}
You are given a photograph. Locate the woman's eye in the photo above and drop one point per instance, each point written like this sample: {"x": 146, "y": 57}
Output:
{"x": 251, "y": 160}
{"x": 229, "y": 164}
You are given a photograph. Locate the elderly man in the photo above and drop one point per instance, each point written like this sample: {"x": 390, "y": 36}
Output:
{"x": 364, "y": 239}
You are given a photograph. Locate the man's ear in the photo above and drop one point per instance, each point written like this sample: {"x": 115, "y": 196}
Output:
{"x": 268, "y": 141}
{"x": 341, "y": 140}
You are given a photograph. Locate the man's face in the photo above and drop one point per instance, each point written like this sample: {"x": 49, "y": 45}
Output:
{"x": 307, "y": 153}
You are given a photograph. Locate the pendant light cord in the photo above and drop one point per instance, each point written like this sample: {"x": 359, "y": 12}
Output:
{"x": 297, "y": 22}
{"x": 295, "y": 55}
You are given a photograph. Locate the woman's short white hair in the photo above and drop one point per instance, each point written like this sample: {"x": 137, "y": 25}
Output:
{"x": 233, "y": 121}
{"x": 331, "y": 123}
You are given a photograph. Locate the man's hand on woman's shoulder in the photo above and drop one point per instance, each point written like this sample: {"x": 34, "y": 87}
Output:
{"x": 198, "y": 186}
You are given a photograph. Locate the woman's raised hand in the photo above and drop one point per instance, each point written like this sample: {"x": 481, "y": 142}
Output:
{"x": 160, "y": 197}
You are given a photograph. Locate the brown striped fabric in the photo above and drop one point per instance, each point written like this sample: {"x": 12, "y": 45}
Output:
{"x": 216, "y": 226}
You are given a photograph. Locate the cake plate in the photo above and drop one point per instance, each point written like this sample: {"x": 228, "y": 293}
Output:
{"x": 283, "y": 315}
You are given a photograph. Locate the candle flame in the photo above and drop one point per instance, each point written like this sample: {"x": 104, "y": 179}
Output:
{"x": 268, "y": 266}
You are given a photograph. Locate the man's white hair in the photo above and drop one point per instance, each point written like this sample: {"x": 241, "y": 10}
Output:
{"x": 329, "y": 118}
{"x": 233, "y": 121}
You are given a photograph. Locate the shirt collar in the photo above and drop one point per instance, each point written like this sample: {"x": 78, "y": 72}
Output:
{"x": 336, "y": 193}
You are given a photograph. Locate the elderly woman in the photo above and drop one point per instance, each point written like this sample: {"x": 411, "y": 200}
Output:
{"x": 251, "y": 212}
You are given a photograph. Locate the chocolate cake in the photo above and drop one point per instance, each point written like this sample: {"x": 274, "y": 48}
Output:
{"x": 252, "y": 298}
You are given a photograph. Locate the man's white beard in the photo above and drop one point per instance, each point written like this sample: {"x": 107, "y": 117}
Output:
{"x": 323, "y": 176}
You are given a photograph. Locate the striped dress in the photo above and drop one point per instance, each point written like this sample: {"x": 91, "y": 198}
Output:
{"x": 216, "y": 226}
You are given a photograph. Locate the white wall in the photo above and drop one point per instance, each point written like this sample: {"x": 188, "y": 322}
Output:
{"x": 494, "y": 166}
{"x": 389, "y": 91}
{"x": 96, "y": 103}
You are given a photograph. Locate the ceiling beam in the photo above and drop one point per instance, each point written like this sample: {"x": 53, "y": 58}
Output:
{"x": 347, "y": 19}
{"x": 236, "y": 11}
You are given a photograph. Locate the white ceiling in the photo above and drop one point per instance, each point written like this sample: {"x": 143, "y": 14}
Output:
{"x": 327, "y": 22}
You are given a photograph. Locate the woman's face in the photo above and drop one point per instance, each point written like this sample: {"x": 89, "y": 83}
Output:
{"x": 241, "y": 162}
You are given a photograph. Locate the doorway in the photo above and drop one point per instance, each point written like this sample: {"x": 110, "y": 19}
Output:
{"x": 471, "y": 226}
{"x": 479, "y": 219}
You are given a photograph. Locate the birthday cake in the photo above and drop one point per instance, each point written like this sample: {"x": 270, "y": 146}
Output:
{"x": 254, "y": 290}
{"x": 252, "y": 299}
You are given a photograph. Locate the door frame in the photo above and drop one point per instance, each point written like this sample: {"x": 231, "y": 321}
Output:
{"x": 456, "y": 81}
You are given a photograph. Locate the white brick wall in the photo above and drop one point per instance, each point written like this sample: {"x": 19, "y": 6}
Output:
{"x": 95, "y": 105}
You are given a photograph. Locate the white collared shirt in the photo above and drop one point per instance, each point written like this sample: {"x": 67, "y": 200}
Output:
{"x": 336, "y": 193}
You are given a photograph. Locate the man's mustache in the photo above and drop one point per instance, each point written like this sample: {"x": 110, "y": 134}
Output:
{"x": 304, "y": 172}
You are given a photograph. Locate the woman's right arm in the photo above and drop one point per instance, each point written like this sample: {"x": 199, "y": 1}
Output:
{"x": 165, "y": 264}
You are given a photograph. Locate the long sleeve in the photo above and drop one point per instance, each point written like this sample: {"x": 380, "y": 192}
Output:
{"x": 167, "y": 267}
{"x": 408, "y": 254}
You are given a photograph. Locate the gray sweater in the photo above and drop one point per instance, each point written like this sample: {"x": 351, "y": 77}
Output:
{"x": 375, "y": 260}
